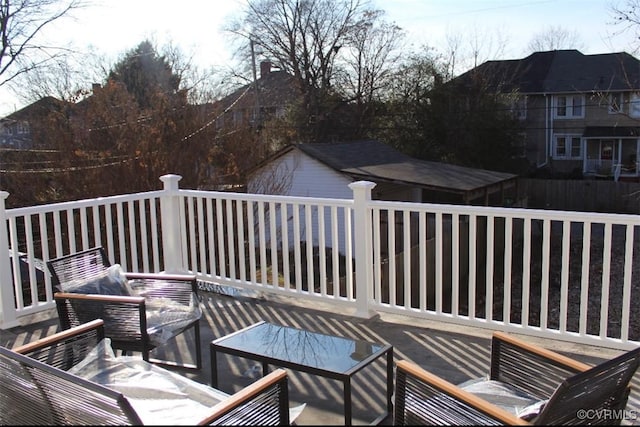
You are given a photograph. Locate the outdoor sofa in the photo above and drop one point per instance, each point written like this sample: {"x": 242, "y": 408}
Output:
{"x": 56, "y": 380}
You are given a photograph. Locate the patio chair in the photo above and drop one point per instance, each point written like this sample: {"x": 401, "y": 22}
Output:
{"x": 141, "y": 311}
{"x": 72, "y": 378}
{"x": 526, "y": 385}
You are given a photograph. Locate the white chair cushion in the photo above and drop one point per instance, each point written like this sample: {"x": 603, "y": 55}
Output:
{"x": 159, "y": 396}
{"x": 505, "y": 396}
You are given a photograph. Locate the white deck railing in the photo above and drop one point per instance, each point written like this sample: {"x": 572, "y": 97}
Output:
{"x": 563, "y": 275}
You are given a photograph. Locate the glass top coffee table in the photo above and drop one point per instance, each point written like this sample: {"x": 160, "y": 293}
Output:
{"x": 318, "y": 354}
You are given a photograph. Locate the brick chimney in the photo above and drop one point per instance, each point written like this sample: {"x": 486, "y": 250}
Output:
{"x": 265, "y": 68}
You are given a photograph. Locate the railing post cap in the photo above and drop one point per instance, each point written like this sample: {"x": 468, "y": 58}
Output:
{"x": 4, "y": 194}
{"x": 362, "y": 185}
{"x": 170, "y": 181}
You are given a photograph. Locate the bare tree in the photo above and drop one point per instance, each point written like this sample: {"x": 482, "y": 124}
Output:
{"x": 627, "y": 18}
{"x": 68, "y": 77}
{"x": 303, "y": 38}
{"x": 464, "y": 51}
{"x": 21, "y": 22}
{"x": 367, "y": 65}
{"x": 555, "y": 38}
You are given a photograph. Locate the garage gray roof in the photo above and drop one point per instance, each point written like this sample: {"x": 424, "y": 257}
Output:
{"x": 375, "y": 160}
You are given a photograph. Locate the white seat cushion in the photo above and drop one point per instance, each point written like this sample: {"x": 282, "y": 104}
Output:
{"x": 167, "y": 318}
{"x": 506, "y": 396}
{"x": 159, "y": 396}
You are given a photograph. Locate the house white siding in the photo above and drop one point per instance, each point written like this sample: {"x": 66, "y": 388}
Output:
{"x": 297, "y": 174}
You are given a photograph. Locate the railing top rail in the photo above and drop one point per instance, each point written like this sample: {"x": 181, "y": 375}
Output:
{"x": 268, "y": 198}
{"x": 587, "y": 217}
{"x": 53, "y": 207}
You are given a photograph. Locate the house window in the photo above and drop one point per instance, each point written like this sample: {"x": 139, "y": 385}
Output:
{"x": 569, "y": 106}
{"x": 238, "y": 117}
{"x": 23, "y": 127}
{"x": 616, "y": 103}
{"x": 519, "y": 108}
{"x": 520, "y": 147}
{"x": 567, "y": 147}
{"x": 634, "y": 105}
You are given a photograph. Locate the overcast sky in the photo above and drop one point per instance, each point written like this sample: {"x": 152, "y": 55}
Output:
{"x": 113, "y": 27}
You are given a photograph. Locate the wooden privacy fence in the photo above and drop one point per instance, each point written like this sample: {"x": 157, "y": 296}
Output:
{"x": 587, "y": 195}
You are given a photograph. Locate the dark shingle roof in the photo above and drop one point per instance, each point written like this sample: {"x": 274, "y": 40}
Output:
{"x": 378, "y": 161}
{"x": 559, "y": 71}
{"x": 277, "y": 88}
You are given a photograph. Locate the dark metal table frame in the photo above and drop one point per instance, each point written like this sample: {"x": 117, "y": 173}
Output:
{"x": 217, "y": 346}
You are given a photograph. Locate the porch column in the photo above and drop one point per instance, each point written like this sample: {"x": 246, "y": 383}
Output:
{"x": 171, "y": 225}
{"x": 8, "y": 317}
{"x": 363, "y": 251}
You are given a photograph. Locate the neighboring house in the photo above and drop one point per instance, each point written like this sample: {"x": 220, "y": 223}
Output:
{"x": 580, "y": 113}
{"x": 252, "y": 104}
{"x": 326, "y": 170}
{"x": 16, "y": 129}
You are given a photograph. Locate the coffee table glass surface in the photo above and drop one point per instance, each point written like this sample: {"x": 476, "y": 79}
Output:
{"x": 316, "y": 353}
{"x": 314, "y": 350}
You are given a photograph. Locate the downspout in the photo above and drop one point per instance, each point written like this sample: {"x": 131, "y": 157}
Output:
{"x": 547, "y": 130}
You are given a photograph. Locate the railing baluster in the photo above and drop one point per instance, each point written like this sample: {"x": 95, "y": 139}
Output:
{"x": 284, "y": 227}
{"x": 222, "y": 260}
{"x": 626, "y": 292}
{"x": 84, "y": 229}
{"x": 308, "y": 225}
{"x": 584, "y": 280}
{"x": 391, "y": 243}
{"x": 273, "y": 235}
{"x": 122, "y": 244}
{"x": 544, "y": 297}
{"x": 252, "y": 241}
{"x": 322, "y": 248}
{"x": 606, "y": 280}
{"x": 438, "y": 264}
{"x": 133, "y": 240}
{"x": 526, "y": 270}
{"x": 406, "y": 257}
{"x": 143, "y": 232}
{"x": 455, "y": 264}
{"x": 348, "y": 244}
{"x": 240, "y": 237}
{"x": 211, "y": 215}
{"x": 296, "y": 246}
{"x": 335, "y": 251}
{"x": 473, "y": 253}
{"x": 264, "y": 279}
{"x": 230, "y": 240}
{"x": 422, "y": 259}
{"x": 488, "y": 302}
{"x": 564, "y": 279}
{"x": 377, "y": 256}
{"x": 507, "y": 289}
{"x": 200, "y": 248}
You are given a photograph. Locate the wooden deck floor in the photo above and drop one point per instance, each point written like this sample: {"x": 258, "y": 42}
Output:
{"x": 455, "y": 353}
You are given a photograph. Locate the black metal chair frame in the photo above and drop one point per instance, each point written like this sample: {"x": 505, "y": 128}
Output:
{"x": 125, "y": 317}
{"x": 572, "y": 389}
